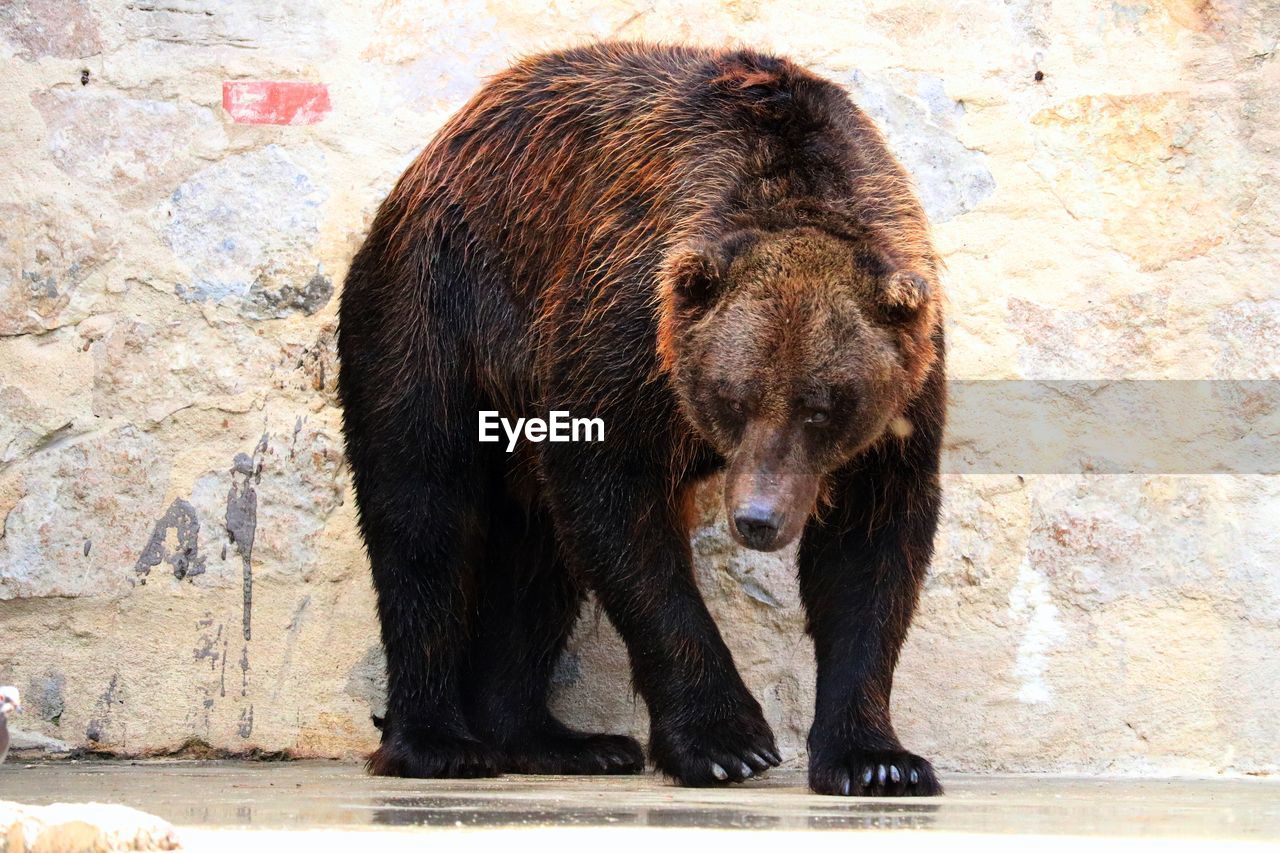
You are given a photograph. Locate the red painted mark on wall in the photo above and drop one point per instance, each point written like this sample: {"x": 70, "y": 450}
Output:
{"x": 275, "y": 102}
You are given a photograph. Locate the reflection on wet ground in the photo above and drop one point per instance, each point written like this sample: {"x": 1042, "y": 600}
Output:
{"x": 755, "y": 813}
{"x": 339, "y": 796}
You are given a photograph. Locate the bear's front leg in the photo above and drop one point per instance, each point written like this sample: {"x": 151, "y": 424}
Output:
{"x": 621, "y": 532}
{"x": 862, "y": 564}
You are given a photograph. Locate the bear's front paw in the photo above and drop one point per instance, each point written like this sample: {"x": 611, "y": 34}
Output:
{"x": 874, "y": 773}
{"x": 731, "y": 750}
{"x": 418, "y": 755}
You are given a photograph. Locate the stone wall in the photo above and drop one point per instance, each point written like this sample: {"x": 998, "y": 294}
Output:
{"x": 179, "y": 559}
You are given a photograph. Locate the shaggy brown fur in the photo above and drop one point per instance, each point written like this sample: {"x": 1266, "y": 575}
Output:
{"x": 714, "y": 252}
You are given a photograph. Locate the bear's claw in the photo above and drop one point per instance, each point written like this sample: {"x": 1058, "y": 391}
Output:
{"x": 875, "y": 773}
{"x": 726, "y": 752}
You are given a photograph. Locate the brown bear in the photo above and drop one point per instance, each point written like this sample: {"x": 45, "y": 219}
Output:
{"x": 713, "y": 253}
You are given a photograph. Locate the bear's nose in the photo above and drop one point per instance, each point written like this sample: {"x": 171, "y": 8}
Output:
{"x": 757, "y": 525}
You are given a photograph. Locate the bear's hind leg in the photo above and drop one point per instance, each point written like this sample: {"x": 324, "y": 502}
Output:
{"x": 527, "y": 608}
{"x": 422, "y": 515}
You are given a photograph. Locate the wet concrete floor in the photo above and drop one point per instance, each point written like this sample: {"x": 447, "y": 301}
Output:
{"x": 220, "y": 800}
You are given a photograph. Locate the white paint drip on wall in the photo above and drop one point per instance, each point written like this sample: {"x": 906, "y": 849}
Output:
{"x": 1031, "y": 604}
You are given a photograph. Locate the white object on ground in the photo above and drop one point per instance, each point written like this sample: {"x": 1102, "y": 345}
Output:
{"x": 69, "y": 827}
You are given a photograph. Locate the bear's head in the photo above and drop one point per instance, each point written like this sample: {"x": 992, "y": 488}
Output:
{"x": 791, "y": 352}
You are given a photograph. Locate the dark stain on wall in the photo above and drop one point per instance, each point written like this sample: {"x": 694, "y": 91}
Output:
{"x": 222, "y": 676}
{"x": 246, "y": 722}
{"x": 367, "y": 680}
{"x": 96, "y": 730}
{"x": 185, "y": 557}
{"x": 207, "y": 643}
{"x": 242, "y": 518}
{"x": 265, "y": 303}
{"x": 568, "y": 670}
{"x": 45, "y": 697}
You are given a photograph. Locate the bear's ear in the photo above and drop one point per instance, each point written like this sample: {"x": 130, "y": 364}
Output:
{"x": 697, "y": 273}
{"x": 691, "y": 280}
{"x": 902, "y": 294}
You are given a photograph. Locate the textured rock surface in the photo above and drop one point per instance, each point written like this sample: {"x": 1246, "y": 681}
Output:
{"x": 179, "y": 557}
{"x": 261, "y": 247}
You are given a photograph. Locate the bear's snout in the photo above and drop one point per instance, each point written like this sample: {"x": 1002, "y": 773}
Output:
{"x": 768, "y": 494}
{"x": 772, "y": 520}
{"x": 757, "y": 525}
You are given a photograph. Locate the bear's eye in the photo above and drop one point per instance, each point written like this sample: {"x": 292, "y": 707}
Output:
{"x": 735, "y": 400}
{"x": 817, "y": 417}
